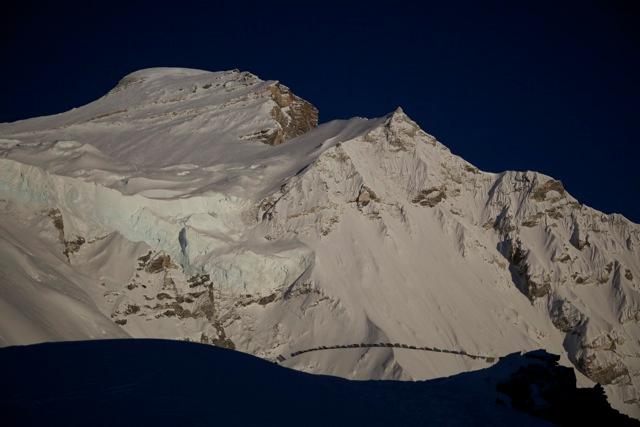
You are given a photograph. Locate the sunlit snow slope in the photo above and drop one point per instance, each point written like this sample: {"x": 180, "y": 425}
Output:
{"x": 208, "y": 206}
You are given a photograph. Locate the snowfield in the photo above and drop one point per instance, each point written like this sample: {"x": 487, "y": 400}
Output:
{"x": 210, "y": 207}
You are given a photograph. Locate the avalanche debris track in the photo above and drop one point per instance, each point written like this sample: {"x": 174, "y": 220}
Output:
{"x": 264, "y": 230}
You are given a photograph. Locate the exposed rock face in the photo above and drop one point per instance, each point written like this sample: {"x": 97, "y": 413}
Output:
{"x": 161, "y": 263}
{"x": 600, "y": 371}
{"x": 565, "y": 316}
{"x": 70, "y": 246}
{"x": 294, "y": 115}
{"x": 429, "y": 197}
{"x": 291, "y": 116}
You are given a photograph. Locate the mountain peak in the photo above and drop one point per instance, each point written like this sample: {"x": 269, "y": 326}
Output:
{"x": 167, "y": 71}
{"x": 201, "y": 113}
{"x": 399, "y": 118}
{"x": 397, "y": 114}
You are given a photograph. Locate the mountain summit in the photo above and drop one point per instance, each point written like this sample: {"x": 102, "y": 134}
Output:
{"x": 211, "y": 207}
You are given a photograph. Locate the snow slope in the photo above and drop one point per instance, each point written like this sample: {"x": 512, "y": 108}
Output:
{"x": 207, "y": 206}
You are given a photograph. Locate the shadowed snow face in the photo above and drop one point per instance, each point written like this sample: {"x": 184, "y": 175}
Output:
{"x": 136, "y": 382}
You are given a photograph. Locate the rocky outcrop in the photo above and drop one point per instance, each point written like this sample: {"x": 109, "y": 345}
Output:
{"x": 294, "y": 115}
{"x": 160, "y": 263}
{"x": 533, "y": 287}
{"x": 70, "y": 246}
{"x": 565, "y": 316}
{"x": 602, "y": 370}
{"x": 429, "y": 197}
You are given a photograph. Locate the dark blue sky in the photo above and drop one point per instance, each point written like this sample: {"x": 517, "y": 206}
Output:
{"x": 547, "y": 86}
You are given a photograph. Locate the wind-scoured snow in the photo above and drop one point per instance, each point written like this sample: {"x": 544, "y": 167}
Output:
{"x": 207, "y": 206}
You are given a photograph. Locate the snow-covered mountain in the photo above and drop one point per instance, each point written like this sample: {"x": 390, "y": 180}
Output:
{"x": 206, "y": 206}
